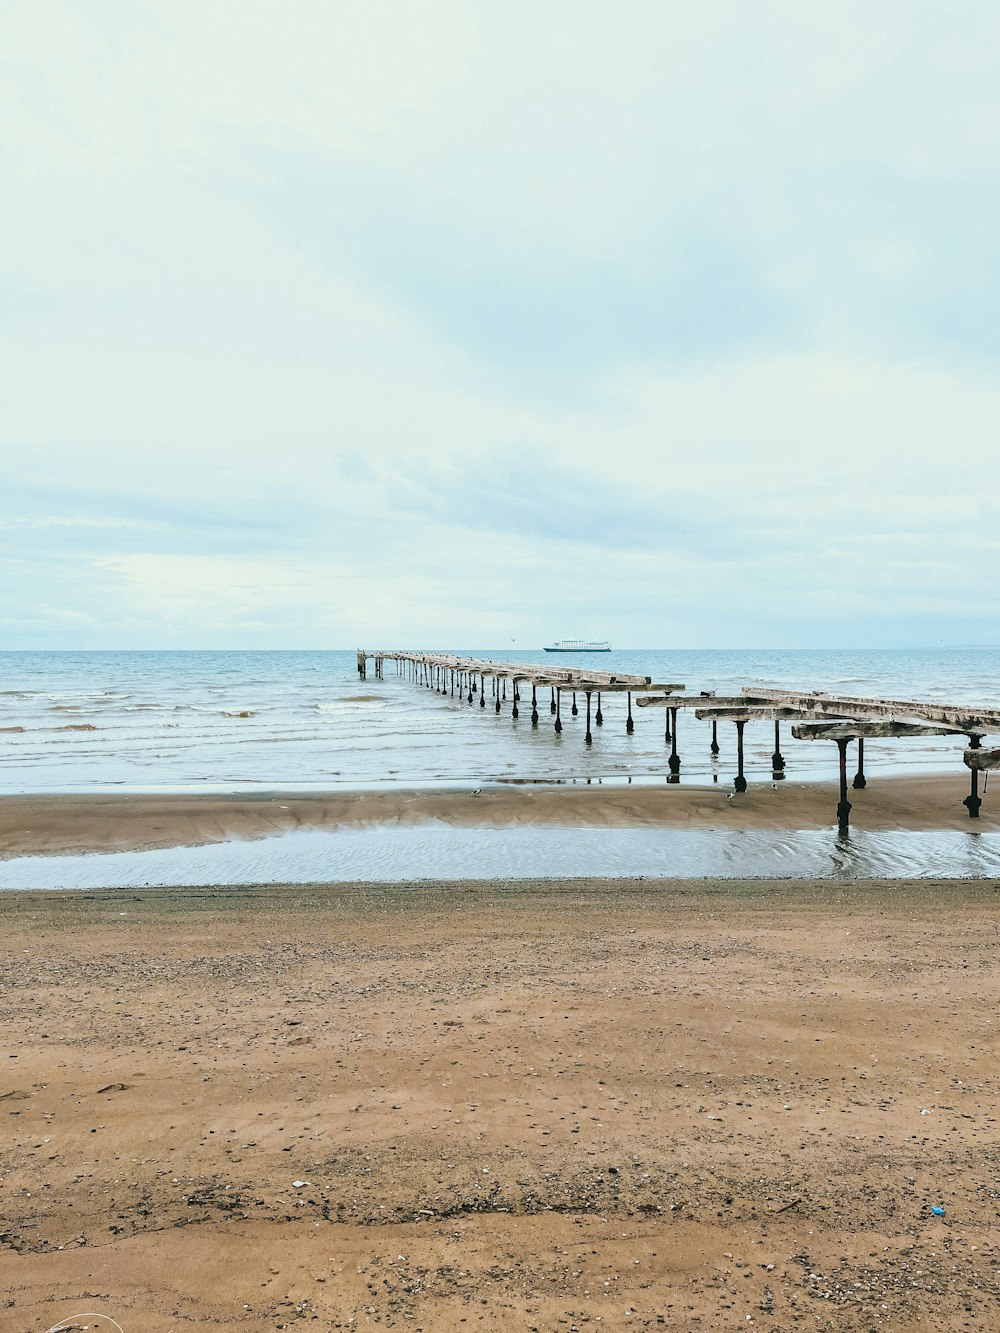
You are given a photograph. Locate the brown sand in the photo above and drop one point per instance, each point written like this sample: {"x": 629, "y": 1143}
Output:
{"x": 692, "y": 1105}
{"x": 39, "y": 824}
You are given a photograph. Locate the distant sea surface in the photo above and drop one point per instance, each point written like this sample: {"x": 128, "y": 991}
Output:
{"x": 241, "y": 721}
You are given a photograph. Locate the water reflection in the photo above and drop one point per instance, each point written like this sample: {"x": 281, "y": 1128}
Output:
{"x": 439, "y": 852}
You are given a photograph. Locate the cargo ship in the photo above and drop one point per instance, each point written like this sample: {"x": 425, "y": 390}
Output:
{"x": 579, "y": 646}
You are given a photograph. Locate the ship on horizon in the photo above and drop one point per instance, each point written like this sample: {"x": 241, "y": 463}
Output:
{"x": 579, "y": 646}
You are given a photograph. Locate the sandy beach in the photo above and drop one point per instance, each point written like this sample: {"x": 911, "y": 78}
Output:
{"x": 34, "y": 825}
{"x": 689, "y": 1105}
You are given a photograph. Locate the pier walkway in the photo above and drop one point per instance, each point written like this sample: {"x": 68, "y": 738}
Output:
{"x": 811, "y": 714}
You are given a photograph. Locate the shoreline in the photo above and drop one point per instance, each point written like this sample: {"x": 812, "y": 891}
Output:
{"x": 79, "y": 823}
{"x": 508, "y": 1105}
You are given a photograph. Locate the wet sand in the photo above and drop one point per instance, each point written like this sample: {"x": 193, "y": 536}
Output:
{"x": 698, "y": 1105}
{"x": 94, "y": 823}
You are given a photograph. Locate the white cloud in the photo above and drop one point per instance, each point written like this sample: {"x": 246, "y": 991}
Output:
{"x": 473, "y": 315}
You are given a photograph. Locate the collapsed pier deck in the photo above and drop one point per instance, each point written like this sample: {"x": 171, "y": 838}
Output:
{"x": 812, "y": 714}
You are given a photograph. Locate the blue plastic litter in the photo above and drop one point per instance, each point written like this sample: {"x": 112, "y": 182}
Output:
{"x": 938, "y": 1212}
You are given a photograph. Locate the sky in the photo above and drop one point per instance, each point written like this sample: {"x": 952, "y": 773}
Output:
{"x": 328, "y": 324}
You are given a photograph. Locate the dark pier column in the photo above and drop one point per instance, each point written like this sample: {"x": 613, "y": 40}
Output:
{"x": 860, "y": 780}
{"x": 504, "y": 689}
{"x": 514, "y": 697}
{"x": 496, "y": 693}
{"x": 589, "y": 737}
{"x": 534, "y": 705}
{"x": 844, "y": 805}
{"x": 453, "y": 682}
{"x": 714, "y": 747}
{"x": 666, "y": 725}
{"x": 599, "y": 716}
{"x": 552, "y": 700}
{"x": 558, "y": 721}
{"x": 777, "y": 759}
{"x": 739, "y": 782}
{"x": 574, "y": 710}
{"x": 470, "y": 680}
{"x": 629, "y": 724}
{"x": 973, "y": 801}
{"x": 482, "y": 691}
{"x": 674, "y": 762}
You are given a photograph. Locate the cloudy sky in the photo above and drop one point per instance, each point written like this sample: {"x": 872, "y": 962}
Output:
{"x": 433, "y": 324}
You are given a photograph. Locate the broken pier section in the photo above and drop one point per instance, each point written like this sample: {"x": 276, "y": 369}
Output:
{"x": 812, "y": 714}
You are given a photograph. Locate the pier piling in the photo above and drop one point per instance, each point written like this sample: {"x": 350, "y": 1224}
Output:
{"x": 777, "y": 759}
{"x": 860, "y": 781}
{"x": 973, "y": 801}
{"x": 674, "y": 762}
{"x": 739, "y": 782}
{"x": 844, "y": 806}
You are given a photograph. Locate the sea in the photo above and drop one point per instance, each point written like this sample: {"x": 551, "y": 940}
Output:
{"x": 79, "y": 722}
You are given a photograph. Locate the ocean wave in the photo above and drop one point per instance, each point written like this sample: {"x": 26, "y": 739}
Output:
{"x": 70, "y": 726}
{"x": 244, "y": 712}
{"x": 337, "y": 706}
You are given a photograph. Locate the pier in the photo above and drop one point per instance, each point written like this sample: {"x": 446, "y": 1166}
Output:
{"x": 811, "y": 715}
